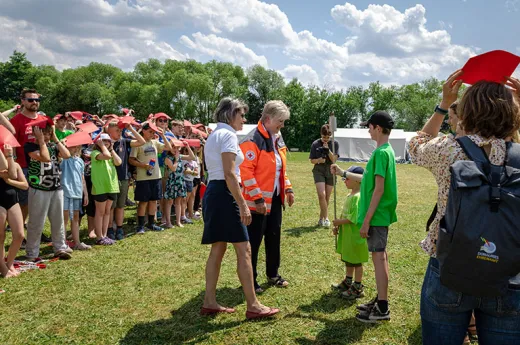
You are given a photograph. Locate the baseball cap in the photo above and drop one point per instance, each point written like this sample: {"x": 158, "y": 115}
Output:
{"x": 356, "y": 170}
{"x": 379, "y": 118}
{"x": 104, "y": 136}
{"x": 159, "y": 115}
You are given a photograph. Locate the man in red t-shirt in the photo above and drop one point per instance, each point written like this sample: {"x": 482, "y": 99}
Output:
{"x": 30, "y": 101}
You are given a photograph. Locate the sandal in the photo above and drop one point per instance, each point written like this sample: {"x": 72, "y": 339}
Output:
{"x": 278, "y": 281}
{"x": 250, "y": 315}
{"x": 343, "y": 286}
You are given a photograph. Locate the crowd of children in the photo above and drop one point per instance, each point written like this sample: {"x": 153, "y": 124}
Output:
{"x": 79, "y": 164}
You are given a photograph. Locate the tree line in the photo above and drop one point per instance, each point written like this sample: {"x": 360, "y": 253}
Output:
{"x": 191, "y": 90}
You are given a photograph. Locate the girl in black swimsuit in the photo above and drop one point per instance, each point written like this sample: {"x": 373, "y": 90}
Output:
{"x": 11, "y": 178}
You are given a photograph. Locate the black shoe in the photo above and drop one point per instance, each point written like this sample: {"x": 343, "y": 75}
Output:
{"x": 45, "y": 239}
{"x": 24, "y": 243}
{"x": 367, "y": 307}
{"x": 129, "y": 202}
{"x": 375, "y": 315}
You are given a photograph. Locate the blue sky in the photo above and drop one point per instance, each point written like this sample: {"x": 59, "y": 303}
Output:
{"x": 327, "y": 43}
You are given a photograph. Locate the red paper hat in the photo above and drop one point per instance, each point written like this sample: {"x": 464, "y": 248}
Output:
{"x": 7, "y": 137}
{"x": 193, "y": 142}
{"x": 159, "y": 115}
{"x": 41, "y": 121}
{"x": 493, "y": 66}
{"x": 78, "y": 138}
{"x": 151, "y": 125}
{"x": 198, "y": 125}
{"x": 125, "y": 110}
{"x": 88, "y": 127}
{"x": 124, "y": 120}
{"x": 187, "y": 123}
{"x": 58, "y": 116}
{"x": 177, "y": 143}
{"x": 197, "y": 131}
{"x": 77, "y": 115}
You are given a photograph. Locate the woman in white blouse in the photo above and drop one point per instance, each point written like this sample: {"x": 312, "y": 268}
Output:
{"x": 225, "y": 211}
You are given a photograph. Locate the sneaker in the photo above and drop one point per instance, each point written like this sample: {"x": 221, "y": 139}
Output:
{"x": 68, "y": 250}
{"x": 129, "y": 202}
{"x": 62, "y": 255}
{"x": 326, "y": 223}
{"x": 154, "y": 228}
{"x": 186, "y": 220}
{"x": 320, "y": 222}
{"x": 82, "y": 246}
{"x": 111, "y": 234}
{"x": 374, "y": 316}
{"x": 197, "y": 215}
{"x": 8, "y": 228}
{"x": 354, "y": 292}
{"x": 120, "y": 234}
{"x": 140, "y": 230}
{"x": 258, "y": 288}
{"x": 24, "y": 243}
{"x": 367, "y": 307}
{"x": 159, "y": 215}
{"x": 105, "y": 241}
{"x": 45, "y": 239}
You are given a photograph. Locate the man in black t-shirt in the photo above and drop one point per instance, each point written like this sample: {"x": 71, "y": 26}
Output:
{"x": 322, "y": 157}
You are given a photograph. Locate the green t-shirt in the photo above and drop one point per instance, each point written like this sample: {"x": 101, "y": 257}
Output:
{"x": 382, "y": 163}
{"x": 352, "y": 247}
{"x": 103, "y": 174}
{"x": 61, "y": 135}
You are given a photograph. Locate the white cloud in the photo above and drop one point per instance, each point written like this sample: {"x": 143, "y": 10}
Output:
{"x": 304, "y": 73}
{"x": 328, "y": 32}
{"x": 223, "y": 49}
{"x": 393, "y": 46}
{"x": 64, "y": 50}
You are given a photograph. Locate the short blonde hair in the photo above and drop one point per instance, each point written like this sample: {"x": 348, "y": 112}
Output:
{"x": 275, "y": 110}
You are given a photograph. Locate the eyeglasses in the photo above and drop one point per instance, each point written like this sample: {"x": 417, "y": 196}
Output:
{"x": 344, "y": 179}
{"x": 162, "y": 120}
{"x": 31, "y": 100}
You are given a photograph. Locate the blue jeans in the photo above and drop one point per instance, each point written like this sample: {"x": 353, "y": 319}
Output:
{"x": 445, "y": 314}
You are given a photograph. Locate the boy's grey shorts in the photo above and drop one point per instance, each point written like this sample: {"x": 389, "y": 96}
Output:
{"x": 377, "y": 238}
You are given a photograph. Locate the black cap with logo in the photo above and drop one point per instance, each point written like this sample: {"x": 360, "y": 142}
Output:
{"x": 379, "y": 118}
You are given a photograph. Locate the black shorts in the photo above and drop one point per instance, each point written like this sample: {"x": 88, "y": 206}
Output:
{"x": 90, "y": 209}
{"x": 148, "y": 190}
{"x": 104, "y": 197}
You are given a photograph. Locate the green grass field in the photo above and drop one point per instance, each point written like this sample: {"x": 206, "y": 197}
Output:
{"x": 148, "y": 289}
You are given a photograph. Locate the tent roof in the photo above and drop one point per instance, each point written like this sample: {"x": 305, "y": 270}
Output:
{"x": 245, "y": 130}
{"x": 363, "y": 133}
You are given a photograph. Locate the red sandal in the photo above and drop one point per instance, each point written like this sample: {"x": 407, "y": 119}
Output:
{"x": 250, "y": 315}
{"x": 209, "y": 311}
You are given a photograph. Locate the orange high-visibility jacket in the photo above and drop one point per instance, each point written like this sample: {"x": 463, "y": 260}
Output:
{"x": 258, "y": 171}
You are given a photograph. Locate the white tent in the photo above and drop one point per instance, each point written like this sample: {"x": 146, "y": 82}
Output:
{"x": 356, "y": 145}
{"x": 240, "y": 134}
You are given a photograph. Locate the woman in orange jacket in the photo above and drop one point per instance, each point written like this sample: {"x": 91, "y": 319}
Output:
{"x": 266, "y": 188}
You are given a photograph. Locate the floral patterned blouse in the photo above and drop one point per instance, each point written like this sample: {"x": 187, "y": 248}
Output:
{"x": 437, "y": 154}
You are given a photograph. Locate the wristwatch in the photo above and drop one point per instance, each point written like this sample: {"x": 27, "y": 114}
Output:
{"x": 344, "y": 174}
{"x": 441, "y": 111}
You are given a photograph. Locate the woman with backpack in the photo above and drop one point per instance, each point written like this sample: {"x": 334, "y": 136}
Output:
{"x": 489, "y": 115}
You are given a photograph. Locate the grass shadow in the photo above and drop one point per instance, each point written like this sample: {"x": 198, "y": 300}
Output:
{"x": 185, "y": 326}
{"x": 416, "y": 337}
{"x": 335, "y": 331}
{"x": 298, "y": 232}
{"x": 328, "y": 303}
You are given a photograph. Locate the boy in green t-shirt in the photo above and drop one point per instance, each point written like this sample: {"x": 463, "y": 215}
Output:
{"x": 377, "y": 205}
{"x": 352, "y": 247}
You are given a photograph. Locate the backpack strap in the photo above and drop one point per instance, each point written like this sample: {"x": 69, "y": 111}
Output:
{"x": 473, "y": 151}
{"x": 512, "y": 155}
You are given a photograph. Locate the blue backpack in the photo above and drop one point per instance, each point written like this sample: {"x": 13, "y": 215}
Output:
{"x": 478, "y": 247}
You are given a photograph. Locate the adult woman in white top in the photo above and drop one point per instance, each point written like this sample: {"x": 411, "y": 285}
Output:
{"x": 225, "y": 211}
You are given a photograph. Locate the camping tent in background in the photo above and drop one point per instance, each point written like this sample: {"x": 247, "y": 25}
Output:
{"x": 240, "y": 134}
{"x": 356, "y": 145}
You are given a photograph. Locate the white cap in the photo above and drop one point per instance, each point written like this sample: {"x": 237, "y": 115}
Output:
{"x": 105, "y": 136}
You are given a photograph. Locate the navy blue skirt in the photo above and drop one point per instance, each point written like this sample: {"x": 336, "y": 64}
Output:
{"x": 221, "y": 216}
